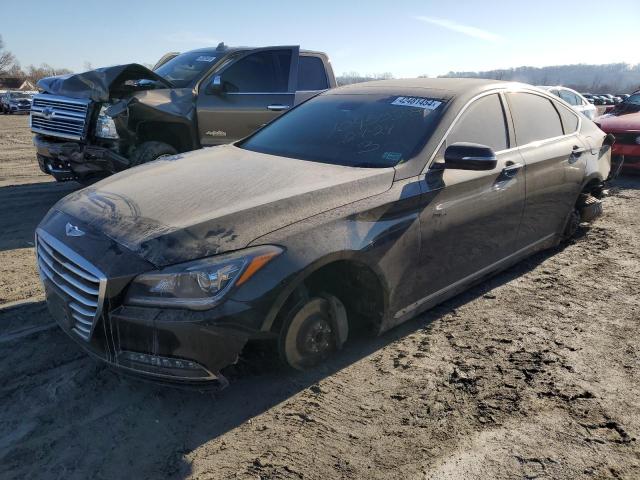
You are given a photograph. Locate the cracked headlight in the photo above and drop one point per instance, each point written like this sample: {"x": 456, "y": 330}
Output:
{"x": 200, "y": 284}
{"x": 105, "y": 126}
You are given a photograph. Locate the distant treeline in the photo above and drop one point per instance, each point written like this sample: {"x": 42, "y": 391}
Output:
{"x": 354, "y": 77}
{"x": 609, "y": 78}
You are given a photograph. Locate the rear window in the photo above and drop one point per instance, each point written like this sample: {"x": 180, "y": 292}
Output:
{"x": 353, "y": 130}
{"x": 534, "y": 118}
{"x": 311, "y": 74}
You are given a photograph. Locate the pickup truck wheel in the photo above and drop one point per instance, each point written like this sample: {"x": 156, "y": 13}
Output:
{"x": 310, "y": 335}
{"x": 150, "y": 151}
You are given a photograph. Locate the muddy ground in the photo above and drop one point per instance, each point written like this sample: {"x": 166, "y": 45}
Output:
{"x": 533, "y": 374}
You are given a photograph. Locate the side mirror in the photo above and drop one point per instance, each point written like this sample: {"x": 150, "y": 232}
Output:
{"x": 215, "y": 86}
{"x": 469, "y": 156}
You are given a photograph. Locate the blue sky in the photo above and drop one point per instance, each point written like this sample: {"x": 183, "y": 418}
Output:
{"x": 407, "y": 38}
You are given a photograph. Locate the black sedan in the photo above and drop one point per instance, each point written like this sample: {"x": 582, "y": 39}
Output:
{"x": 364, "y": 206}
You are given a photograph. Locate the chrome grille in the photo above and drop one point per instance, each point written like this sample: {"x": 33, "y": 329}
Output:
{"x": 82, "y": 283}
{"x": 59, "y": 116}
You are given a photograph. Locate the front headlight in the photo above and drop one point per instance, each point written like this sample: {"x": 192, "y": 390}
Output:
{"x": 200, "y": 284}
{"x": 105, "y": 126}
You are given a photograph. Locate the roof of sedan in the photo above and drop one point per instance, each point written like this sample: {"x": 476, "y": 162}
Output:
{"x": 436, "y": 87}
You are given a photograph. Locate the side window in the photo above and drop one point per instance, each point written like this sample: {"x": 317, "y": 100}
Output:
{"x": 569, "y": 118}
{"x": 534, "y": 118}
{"x": 569, "y": 97}
{"x": 483, "y": 122}
{"x": 311, "y": 74}
{"x": 261, "y": 72}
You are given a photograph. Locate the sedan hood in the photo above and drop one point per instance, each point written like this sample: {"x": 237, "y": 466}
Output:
{"x": 215, "y": 200}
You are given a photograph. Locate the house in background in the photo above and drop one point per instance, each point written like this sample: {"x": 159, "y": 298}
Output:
{"x": 15, "y": 83}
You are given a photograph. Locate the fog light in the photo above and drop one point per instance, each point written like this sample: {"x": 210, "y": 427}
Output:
{"x": 638, "y": 140}
{"x": 163, "y": 362}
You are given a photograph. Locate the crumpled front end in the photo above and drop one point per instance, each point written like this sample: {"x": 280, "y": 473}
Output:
{"x": 85, "y": 276}
{"x": 89, "y": 124}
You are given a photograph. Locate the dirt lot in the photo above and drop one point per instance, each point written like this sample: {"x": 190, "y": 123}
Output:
{"x": 533, "y": 374}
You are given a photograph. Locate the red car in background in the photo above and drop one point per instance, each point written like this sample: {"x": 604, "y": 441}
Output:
{"x": 623, "y": 121}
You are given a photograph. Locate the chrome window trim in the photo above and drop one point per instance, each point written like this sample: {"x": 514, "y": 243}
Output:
{"x": 540, "y": 93}
{"x": 261, "y": 93}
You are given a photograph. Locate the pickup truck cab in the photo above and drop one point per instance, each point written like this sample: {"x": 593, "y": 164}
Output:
{"x": 92, "y": 124}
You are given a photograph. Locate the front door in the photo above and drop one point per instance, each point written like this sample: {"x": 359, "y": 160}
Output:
{"x": 472, "y": 222}
{"x": 255, "y": 89}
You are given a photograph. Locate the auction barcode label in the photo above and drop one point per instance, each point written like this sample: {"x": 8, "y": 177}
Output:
{"x": 419, "y": 102}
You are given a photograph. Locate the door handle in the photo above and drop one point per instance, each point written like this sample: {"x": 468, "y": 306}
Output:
{"x": 511, "y": 169}
{"x": 278, "y": 108}
{"x": 577, "y": 151}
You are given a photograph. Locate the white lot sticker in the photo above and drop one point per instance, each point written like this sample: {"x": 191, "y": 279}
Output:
{"x": 418, "y": 102}
{"x": 204, "y": 58}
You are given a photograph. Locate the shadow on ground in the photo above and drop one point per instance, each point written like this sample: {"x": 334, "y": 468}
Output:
{"x": 23, "y": 206}
{"x": 163, "y": 423}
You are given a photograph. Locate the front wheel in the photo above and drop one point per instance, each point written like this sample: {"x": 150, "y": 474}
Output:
{"x": 314, "y": 330}
{"x": 150, "y": 151}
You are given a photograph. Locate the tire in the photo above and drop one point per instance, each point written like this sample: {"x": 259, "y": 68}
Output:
{"x": 572, "y": 225}
{"x": 150, "y": 151}
{"x": 591, "y": 209}
{"x": 314, "y": 330}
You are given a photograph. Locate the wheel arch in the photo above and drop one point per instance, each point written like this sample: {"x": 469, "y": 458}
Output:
{"x": 328, "y": 266}
{"x": 178, "y": 135}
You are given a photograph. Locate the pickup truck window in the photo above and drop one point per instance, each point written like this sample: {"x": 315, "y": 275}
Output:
{"x": 351, "y": 130}
{"x": 534, "y": 118}
{"x": 311, "y": 74}
{"x": 184, "y": 69}
{"x": 261, "y": 72}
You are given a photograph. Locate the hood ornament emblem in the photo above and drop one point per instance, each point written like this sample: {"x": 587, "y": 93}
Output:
{"x": 73, "y": 231}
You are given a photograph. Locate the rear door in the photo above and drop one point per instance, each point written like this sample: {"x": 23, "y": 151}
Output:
{"x": 256, "y": 87}
{"x": 472, "y": 222}
{"x": 547, "y": 136}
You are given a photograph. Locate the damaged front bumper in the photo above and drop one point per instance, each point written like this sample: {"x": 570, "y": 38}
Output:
{"x": 71, "y": 160}
{"x": 166, "y": 345}
{"x": 152, "y": 344}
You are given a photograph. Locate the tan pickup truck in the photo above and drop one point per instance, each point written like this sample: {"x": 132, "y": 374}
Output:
{"x": 95, "y": 123}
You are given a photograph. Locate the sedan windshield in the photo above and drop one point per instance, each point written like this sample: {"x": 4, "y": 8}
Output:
{"x": 352, "y": 130}
{"x": 184, "y": 70}
{"x": 19, "y": 95}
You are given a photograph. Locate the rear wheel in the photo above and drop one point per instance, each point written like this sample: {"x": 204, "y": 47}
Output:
{"x": 150, "y": 151}
{"x": 314, "y": 330}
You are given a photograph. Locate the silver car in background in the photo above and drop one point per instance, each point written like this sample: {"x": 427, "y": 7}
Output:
{"x": 573, "y": 98}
